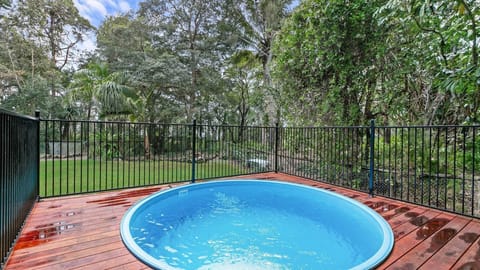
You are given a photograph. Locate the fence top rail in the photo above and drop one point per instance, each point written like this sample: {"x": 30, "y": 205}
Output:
{"x": 233, "y": 126}
{"x": 198, "y": 125}
{"x": 247, "y": 126}
{"x": 431, "y": 126}
{"x": 3, "y": 111}
{"x": 113, "y": 122}
{"x": 329, "y": 127}
{"x": 146, "y": 123}
{"x": 386, "y": 127}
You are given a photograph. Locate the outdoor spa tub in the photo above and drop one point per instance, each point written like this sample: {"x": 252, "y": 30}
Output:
{"x": 253, "y": 224}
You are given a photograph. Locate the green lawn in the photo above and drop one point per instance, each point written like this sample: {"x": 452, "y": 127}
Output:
{"x": 62, "y": 177}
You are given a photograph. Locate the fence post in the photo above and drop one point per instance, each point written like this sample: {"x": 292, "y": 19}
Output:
{"x": 37, "y": 115}
{"x": 276, "y": 147}
{"x": 194, "y": 144}
{"x": 372, "y": 152}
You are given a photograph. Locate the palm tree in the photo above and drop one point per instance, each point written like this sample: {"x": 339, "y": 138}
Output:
{"x": 110, "y": 93}
{"x": 96, "y": 87}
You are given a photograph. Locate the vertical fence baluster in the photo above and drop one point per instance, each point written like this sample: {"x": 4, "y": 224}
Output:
{"x": 86, "y": 138}
{"x": 111, "y": 153}
{"x": 422, "y": 176}
{"x": 94, "y": 157}
{"x": 119, "y": 156}
{"x": 437, "y": 199}
{"x": 350, "y": 155}
{"x": 395, "y": 157}
{"x": 165, "y": 152}
{"x": 414, "y": 164}
{"x": 60, "y": 157}
{"x": 156, "y": 154}
{"x": 474, "y": 142}
{"x": 372, "y": 152}
{"x": 446, "y": 170}
{"x": 430, "y": 166}
{"x": 408, "y": 163}
{"x": 136, "y": 159}
{"x": 3, "y": 188}
{"x": 66, "y": 156}
{"x": 376, "y": 171}
{"x": 344, "y": 179}
{"x": 129, "y": 151}
{"x": 464, "y": 141}
{"x": 37, "y": 155}
{"x": 144, "y": 154}
{"x": 454, "y": 200}
{"x": 328, "y": 147}
{"x": 45, "y": 191}
{"x": 194, "y": 146}
{"x": 101, "y": 153}
{"x": 381, "y": 183}
{"x": 75, "y": 157}
{"x": 53, "y": 160}
{"x": 277, "y": 137}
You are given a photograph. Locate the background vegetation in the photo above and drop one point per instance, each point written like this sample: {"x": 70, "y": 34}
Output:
{"x": 313, "y": 62}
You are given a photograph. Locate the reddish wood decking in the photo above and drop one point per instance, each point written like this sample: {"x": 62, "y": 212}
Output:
{"x": 82, "y": 232}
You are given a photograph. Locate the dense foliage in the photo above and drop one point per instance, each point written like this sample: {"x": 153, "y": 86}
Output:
{"x": 313, "y": 62}
{"x": 401, "y": 62}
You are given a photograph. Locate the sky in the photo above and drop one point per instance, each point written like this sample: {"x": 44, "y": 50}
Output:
{"x": 97, "y": 10}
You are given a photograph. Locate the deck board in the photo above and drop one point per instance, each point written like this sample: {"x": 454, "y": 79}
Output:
{"x": 470, "y": 259}
{"x": 432, "y": 238}
{"x": 82, "y": 232}
{"x": 449, "y": 254}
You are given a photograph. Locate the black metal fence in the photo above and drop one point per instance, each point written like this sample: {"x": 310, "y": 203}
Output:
{"x": 90, "y": 156}
{"x": 335, "y": 155}
{"x": 434, "y": 166}
{"x": 18, "y": 175}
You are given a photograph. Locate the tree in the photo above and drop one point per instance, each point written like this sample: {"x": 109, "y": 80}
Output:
{"x": 123, "y": 42}
{"x": 18, "y": 57}
{"x": 331, "y": 54}
{"x": 97, "y": 87}
{"x": 56, "y": 25}
{"x": 261, "y": 21}
{"x": 39, "y": 41}
{"x": 245, "y": 77}
{"x": 192, "y": 32}
{"x": 33, "y": 96}
{"x": 155, "y": 73}
{"x": 446, "y": 34}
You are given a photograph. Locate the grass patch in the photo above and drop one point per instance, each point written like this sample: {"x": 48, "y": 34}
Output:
{"x": 64, "y": 177}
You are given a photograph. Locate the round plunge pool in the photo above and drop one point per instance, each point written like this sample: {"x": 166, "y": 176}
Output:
{"x": 253, "y": 224}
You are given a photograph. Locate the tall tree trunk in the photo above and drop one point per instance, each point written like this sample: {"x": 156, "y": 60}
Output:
{"x": 53, "y": 52}
{"x": 271, "y": 109}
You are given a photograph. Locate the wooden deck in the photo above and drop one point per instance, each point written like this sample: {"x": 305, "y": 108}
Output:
{"x": 82, "y": 232}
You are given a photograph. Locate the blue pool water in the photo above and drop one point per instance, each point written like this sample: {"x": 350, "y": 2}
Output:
{"x": 251, "y": 224}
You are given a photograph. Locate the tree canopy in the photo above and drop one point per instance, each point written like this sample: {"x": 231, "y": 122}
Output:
{"x": 310, "y": 62}
{"x": 402, "y": 62}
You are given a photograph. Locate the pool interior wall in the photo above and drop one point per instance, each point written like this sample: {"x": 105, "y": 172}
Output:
{"x": 221, "y": 209}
